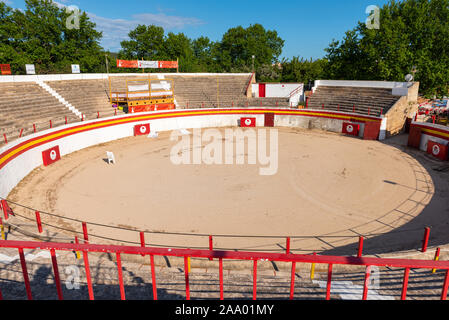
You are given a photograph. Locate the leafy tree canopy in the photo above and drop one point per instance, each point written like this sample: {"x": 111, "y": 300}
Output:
{"x": 412, "y": 33}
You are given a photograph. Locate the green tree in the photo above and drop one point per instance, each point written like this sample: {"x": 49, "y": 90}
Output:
{"x": 239, "y": 45}
{"x": 39, "y": 36}
{"x": 412, "y": 33}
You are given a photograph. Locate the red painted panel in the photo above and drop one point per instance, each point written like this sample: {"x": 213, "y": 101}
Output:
{"x": 248, "y": 122}
{"x": 438, "y": 150}
{"x": 269, "y": 119}
{"x": 351, "y": 129}
{"x": 262, "y": 90}
{"x": 372, "y": 131}
{"x": 50, "y": 156}
{"x": 142, "y": 129}
{"x": 414, "y": 137}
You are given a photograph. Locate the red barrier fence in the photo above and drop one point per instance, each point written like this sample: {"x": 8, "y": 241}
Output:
{"x": 40, "y": 218}
{"x": 220, "y": 256}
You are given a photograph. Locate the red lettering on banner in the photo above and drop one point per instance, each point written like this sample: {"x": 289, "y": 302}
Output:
{"x": 127, "y": 64}
{"x": 5, "y": 69}
{"x": 168, "y": 64}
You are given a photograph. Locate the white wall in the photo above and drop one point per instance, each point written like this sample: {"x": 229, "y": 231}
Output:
{"x": 17, "y": 169}
{"x": 91, "y": 76}
{"x": 282, "y": 90}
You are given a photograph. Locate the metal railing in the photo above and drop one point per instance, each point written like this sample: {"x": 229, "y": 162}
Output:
{"x": 187, "y": 254}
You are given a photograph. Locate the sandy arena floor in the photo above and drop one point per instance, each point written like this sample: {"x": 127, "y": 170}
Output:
{"x": 327, "y": 185}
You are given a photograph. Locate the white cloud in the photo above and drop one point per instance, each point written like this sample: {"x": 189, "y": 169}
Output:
{"x": 7, "y": 2}
{"x": 116, "y": 30}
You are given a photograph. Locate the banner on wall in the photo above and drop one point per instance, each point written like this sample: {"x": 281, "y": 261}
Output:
{"x": 76, "y": 68}
{"x": 30, "y": 69}
{"x": 5, "y": 69}
{"x": 127, "y": 64}
{"x": 147, "y": 64}
{"x": 141, "y": 64}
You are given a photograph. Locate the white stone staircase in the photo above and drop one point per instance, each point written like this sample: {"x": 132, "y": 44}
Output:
{"x": 53, "y": 92}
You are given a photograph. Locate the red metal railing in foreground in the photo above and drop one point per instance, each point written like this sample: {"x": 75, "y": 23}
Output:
{"x": 219, "y": 255}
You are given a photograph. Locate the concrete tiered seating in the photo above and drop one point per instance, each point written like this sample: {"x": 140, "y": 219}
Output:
{"x": 88, "y": 96}
{"x": 211, "y": 91}
{"x": 373, "y": 101}
{"x": 25, "y": 104}
{"x": 269, "y": 102}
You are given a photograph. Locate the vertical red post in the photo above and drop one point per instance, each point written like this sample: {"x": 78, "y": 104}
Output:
{"x": 405, "y": 284}
{"x": 98, "y": 114}
{"x": 65, "y": 119}
{"x": 307, "y": 103}
{"x": 437, "y": 257}
{"x": 25, "y": 274}
{"x": 86, "y": 236}
{"x": 56, "y": 273}
{"x": 186, "y": 271}
{"x": 6, "y": 140}
{"x": 381, "y": 111}
{"x": 255, "y": 280}
{"x": 425, "y": 242}
{"x": 51, "y": 124}
{"x": 34, "y": 127}
{"x": 38, "y": 221}
{"x": 221, "y": 278}
{"x": 329, "y": 282}
{"x": 445, "y": 286}
{"x": 21, "y": 132}
{"x": 366, "y": 283}
{"x": 360, "y": 252}
{"x": 88, "y": 277}
{"x": 153, "y": 277}
{"x": 120, "y": 276}
{"x": 292, "y": 283}
{"x": 142, "y": 239}
{"x": 211, "y": 245}
{"x": 2, "y": 230}
{"x": 322, "y": 107}
{"x": 288, "y": 246}
{"x": 5, "y": 209}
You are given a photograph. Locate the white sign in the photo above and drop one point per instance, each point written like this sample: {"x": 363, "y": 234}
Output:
{"x": 148, "y": 64}
{"x": 76, "y": 68}
{"x": 30, "y": 69}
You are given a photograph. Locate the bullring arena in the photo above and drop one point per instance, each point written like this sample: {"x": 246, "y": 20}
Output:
{"x": 369, "y": 195}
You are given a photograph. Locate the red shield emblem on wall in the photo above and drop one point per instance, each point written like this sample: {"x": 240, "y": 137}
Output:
{"x": 248, "y": 122}
{"x": 50, "y": 156}
{"x": 437, "y": 150}
{"x": 142, "y": 129}
{"x": 351, "y": 129}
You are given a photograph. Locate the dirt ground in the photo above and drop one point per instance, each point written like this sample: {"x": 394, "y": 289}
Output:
{"x": 329, "y": 190}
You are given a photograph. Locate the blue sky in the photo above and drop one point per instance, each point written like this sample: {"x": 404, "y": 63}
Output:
{"x": 306, "y": 26}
